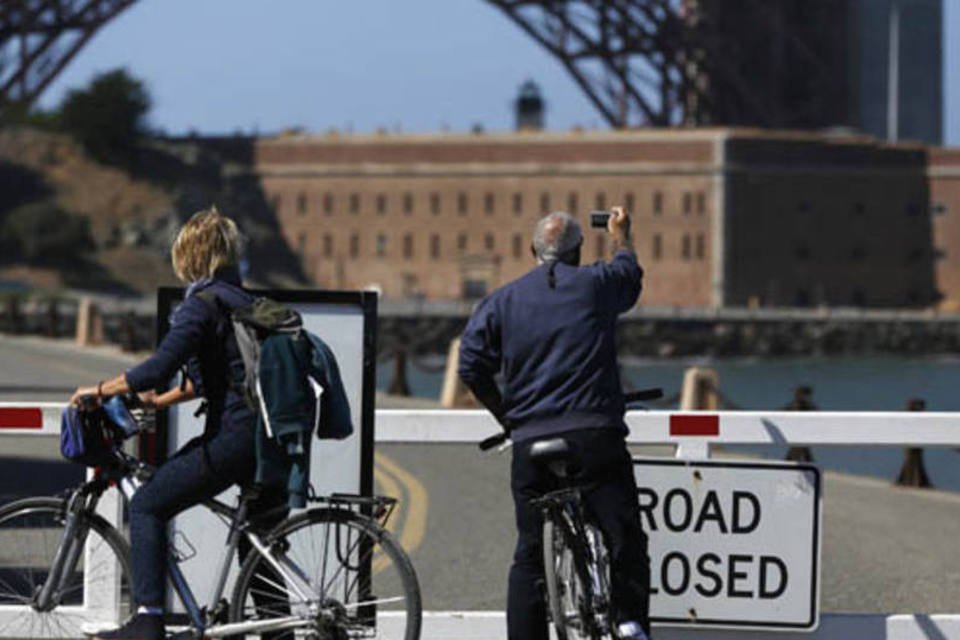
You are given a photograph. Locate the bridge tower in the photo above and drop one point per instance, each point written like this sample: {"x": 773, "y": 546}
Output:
{"x": 762, "y": 63}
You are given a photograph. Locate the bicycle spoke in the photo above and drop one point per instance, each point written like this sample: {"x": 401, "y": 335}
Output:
{"x": 367, "y": 603}
{"x": 341, "y": 568}
{"x": 278, "y": 589}
{"x": 32, "y": 533}
{"x": 326, "y": 550}
{"x": 333, "y": 548}
{"x": 359, "y": 574}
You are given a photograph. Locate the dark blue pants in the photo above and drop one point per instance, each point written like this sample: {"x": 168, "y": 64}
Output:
{"x": 200, "y": 470}
{"x": 613, "y": 503}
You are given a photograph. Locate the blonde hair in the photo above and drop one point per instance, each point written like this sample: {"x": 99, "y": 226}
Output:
{"x": 208, "y": 241}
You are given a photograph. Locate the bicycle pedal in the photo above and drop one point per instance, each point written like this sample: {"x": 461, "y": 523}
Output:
{"x": 186, "y": 634}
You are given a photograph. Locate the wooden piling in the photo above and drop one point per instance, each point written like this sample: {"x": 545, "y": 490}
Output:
{"x": 398, "y": 385}
{"x": 699, "y": 391}
{"x": 53, "y": 319}
{"x": 89, "y": 324}
{"x": 913, "y": 472}
{"x": 454, "y": 394}
{"x": 802, "y": 401}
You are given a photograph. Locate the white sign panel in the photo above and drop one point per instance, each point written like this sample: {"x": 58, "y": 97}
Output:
{"x": 344, "y": 321}
{"x": 733, "y": 544}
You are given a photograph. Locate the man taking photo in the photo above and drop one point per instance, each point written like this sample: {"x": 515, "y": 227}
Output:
{"x": 551, "y": 334}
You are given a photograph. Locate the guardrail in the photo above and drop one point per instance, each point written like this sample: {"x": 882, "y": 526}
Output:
{"x": 99, "y": 604}
{"x": 692, "y": 433}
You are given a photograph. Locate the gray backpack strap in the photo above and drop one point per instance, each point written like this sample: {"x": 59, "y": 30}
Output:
{"x": 249, "y": 346}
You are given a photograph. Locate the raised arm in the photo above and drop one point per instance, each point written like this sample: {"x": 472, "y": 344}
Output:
{"x": 621, "y": 279}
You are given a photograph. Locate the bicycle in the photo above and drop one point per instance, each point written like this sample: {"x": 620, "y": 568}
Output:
{"x": 575, "y": 558}
{"x": 330, "y": 572}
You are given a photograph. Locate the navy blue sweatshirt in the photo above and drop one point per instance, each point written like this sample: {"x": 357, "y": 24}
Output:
{"x": 197, "y": 339}
{"x": 555, "y": 346}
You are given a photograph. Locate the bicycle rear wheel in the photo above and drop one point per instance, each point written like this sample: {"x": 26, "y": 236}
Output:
{"x": 568, "y": 590}
{"x": 94, "y": 593}
{"x": 354, "y": 580}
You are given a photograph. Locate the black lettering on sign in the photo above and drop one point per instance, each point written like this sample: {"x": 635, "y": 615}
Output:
{"x": 676, "y": 558}
{"x": 710, "y": 574}
{"x": 740, "y": 501}
{"x": 733, "y": 576}
{"x": 766, "y": 562}
{"x": 648, "y": 503}
{"x": 711, "y": 511}
{"x": 687, "y": 509}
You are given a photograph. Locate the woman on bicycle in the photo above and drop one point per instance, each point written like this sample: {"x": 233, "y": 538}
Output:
{"x": 206, "y": 256}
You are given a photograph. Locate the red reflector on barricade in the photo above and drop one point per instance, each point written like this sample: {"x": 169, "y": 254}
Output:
{"x": 695, "y": 425}
{"x": 21, "y": 418}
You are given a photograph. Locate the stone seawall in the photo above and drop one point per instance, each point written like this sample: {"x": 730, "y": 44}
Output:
{"x": 428, "y": 328}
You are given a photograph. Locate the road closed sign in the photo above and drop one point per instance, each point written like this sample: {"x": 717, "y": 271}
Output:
{"x": 732, "y": 544}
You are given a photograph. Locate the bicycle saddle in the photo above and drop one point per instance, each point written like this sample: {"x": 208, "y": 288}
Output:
{"x": 547, "y": 451}
{"x": 557, "y": 454}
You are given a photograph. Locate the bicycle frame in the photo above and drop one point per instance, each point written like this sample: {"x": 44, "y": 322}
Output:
{"x": 84, "y": 500}
{"x": 564, "y": 507}
{"x": 199, "y": 617}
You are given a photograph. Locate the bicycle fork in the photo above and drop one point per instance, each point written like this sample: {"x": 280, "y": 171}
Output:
{"x": 594, "y": 560}
{"x": 596, "y": 566}
{"x": 67, "y": 555}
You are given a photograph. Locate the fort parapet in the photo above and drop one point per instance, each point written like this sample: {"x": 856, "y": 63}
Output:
{"x": 723, "y": 217}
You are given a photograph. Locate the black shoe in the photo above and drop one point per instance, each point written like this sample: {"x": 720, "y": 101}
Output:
{"x": 140, "y": 627}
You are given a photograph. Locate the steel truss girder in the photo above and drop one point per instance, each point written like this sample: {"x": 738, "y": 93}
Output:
{"x": 39, "y": 37}
{"x": 630, "y": 57}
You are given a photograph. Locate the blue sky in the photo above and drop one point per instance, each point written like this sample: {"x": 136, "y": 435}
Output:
{"x": 220, "y": 66}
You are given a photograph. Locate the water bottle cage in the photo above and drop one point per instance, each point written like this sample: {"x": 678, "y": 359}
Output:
{"x": 181, "y": 555}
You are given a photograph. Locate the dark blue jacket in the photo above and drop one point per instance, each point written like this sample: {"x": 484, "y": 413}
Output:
{"x": 197, "y": 339}
{"x": 554, "y": 346}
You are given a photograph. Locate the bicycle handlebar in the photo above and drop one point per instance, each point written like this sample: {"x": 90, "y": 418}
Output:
{"x": 493, "y": 441}
{"x": 643, "y": 395}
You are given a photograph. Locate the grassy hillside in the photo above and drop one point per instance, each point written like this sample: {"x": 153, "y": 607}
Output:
{"x": 134, "y": 211}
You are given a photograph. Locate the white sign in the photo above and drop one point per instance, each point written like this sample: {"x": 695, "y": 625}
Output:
{"x": 345, "y": 321}
{"x": 733, "y": 544}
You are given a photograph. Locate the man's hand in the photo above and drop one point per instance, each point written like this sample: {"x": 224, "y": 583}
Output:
{"x": 618, "y": 226}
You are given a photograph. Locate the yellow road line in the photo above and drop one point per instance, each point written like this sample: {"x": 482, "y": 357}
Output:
{"x": 417, "y": 499}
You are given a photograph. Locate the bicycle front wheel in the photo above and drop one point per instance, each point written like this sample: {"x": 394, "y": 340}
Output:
{"x": 92, "y": 595}
{"x": 344, "y": 576}
{"x": 568, "y": 591}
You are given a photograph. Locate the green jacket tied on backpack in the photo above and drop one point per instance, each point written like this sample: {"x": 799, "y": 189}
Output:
{"x": 291, "y": 411}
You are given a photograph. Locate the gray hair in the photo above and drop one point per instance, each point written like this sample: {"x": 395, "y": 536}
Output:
{"x": 556, "y": 234}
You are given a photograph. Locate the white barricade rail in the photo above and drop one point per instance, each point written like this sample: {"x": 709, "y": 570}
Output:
{"x": 794, "y": 428}
{"x": 101, "y": 603}
{"x": 691, "y": 432}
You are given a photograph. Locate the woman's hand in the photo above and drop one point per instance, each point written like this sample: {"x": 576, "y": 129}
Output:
{"x": 83, "y": 392}
{"x": 149, "y": 399}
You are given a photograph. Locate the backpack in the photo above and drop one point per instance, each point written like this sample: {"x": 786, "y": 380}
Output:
{"x": 290, "y": 379}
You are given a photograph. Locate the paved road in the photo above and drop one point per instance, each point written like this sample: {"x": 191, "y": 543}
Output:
{"x": 49, "y": 370}
{"x": 885, "y": 549}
